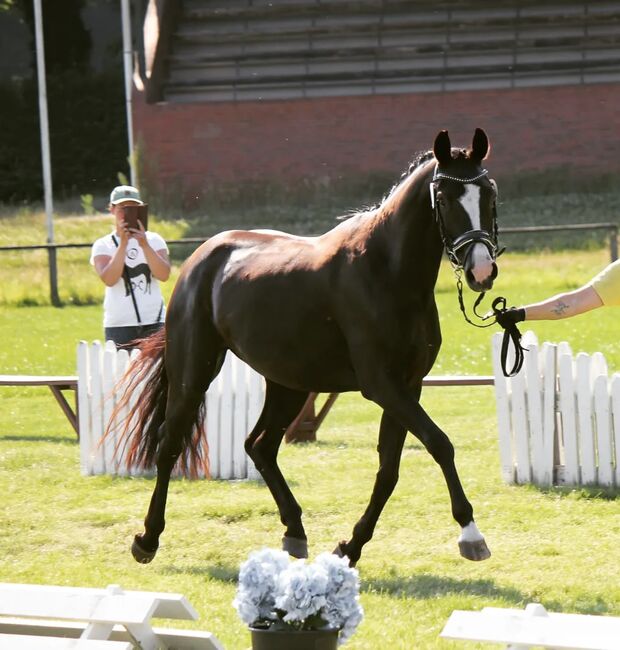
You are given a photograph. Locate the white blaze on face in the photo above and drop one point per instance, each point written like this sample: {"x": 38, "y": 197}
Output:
{"x": 482, "y": 264}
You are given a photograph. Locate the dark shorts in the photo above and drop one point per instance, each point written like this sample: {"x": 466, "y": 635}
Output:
{"x": 128, "y": 337}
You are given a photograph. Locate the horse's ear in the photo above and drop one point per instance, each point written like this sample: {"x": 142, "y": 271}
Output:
{"x": 442, "y": 148}
{"x": 480, "y": 145}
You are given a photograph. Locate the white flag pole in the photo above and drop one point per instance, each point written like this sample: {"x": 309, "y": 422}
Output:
{"x": 45, "y": 151}
{"x": 128, "y": 66}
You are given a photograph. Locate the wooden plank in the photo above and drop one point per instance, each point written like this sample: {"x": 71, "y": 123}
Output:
{"x": 256, "y": 400}
{"x": 108, "y": 382}
{"x": 56, "y": 384}
{"x": 533, "y": 382}
{"x": 48, "y": 630}
{"x": 587, "y": 454}
{"x": 64, "y": 381}
{"x": 503, "y": 405}
{"x": 120, "y": 450}
{"x": 26, "y": 642}
{"x": 84, "y": 403}
{"x": 568, "y": 633}
{"x": 604, "y": 431}
{"x": 549, "y": 366}
{"x": 96, "y": 465}
{"x": 615, "y": 407}
{"x": 520, "y": 428}
{"x": 568, "y": 411}
{"x": 226, "y": 407}
{"x": 239, "y": 387}
{"x": 213, "y": 427}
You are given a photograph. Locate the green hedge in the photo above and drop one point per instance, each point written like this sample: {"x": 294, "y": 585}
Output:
{"x": 88, "y": 135}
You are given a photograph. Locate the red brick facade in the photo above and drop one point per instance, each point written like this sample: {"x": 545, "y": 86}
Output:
{"x": 193, "y": 147}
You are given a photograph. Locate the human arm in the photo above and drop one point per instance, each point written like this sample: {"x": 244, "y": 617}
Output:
{"x": 110, "y": 267}
{"x": 158, "y": 260}
{"x": 562, "y": 305}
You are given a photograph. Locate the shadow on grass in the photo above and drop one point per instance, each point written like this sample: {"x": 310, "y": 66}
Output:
{"x": 221, "y": 573}
{"x": 54, "y": 439}
{"x": 424, "y": 587}
{"x": 578, "y": 493}
{"x": 430, "y": 586}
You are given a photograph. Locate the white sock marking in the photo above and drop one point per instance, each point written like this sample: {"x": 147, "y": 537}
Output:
{"x": 470, "y": 533}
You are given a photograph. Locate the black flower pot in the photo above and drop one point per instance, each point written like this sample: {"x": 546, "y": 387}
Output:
{"x": 266, "y": 639}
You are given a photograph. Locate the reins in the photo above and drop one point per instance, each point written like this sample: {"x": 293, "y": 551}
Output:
{"x": 511, "y": 332}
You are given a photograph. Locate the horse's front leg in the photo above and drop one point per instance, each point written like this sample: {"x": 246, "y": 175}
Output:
{"x": 402, "y": 404}
{"x": 391, "y": 439}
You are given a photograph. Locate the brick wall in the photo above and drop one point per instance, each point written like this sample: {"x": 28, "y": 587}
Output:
{"x": 195, "y": 147}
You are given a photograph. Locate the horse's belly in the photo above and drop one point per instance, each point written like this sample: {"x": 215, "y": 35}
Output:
{"x": 306, "y": 356}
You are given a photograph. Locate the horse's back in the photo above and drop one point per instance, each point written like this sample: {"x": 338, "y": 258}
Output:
{"x": 270, "y": 298}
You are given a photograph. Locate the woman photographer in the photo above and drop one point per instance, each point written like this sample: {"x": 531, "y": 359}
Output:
{"x": 131, "y": 261}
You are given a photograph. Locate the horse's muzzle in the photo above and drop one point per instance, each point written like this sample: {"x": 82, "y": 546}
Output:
{"x": 484, "y": 284}
{"x": 479, "y": 265}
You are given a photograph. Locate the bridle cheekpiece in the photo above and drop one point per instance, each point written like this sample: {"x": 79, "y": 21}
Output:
{"x": 465, "y": 240}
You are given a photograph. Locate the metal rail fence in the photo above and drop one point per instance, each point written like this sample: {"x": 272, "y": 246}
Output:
{"x": 611, "y": 228}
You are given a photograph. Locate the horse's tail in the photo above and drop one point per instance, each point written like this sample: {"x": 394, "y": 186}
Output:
{"x": 143, "y": 416}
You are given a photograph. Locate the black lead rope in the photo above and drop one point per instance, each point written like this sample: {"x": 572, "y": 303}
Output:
{"x": 511, "y": 333}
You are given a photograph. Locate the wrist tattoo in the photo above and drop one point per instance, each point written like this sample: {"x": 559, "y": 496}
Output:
{"x": 560, "y": 308}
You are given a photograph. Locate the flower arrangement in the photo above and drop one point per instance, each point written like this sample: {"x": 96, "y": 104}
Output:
{"x": 277, "y": 593}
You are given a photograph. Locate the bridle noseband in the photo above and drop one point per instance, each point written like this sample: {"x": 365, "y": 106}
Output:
{"x": 470, "y": 237}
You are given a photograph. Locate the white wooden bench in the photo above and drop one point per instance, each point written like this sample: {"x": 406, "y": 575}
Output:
{"x": 534, "y": 627}
{"x": 42, "y": 616}
{"x": 56, "y": 384}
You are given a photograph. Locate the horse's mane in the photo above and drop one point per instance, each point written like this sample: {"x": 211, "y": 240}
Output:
{"x": 420, "y": 159}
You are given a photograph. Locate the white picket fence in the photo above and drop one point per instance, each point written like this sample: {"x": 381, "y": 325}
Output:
{"x": 234, "y": 402}
{"x": 559, "y": 418}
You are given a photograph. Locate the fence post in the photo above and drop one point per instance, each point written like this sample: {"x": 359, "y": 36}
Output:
{"x": 53, "y": 269}
{"x": 613, "y": 244}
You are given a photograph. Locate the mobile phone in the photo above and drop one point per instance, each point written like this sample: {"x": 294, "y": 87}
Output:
{"x": 133, "y": 213}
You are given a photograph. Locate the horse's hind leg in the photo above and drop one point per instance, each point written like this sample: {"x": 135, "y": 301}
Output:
{"x": 190, "y": 369}
{"x": 281, "y": 407}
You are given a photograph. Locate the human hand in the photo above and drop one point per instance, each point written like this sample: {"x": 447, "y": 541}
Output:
{"x": 140, "y": 234}
{"x": 123, "y": 233}
{"x": 510, "y": 317}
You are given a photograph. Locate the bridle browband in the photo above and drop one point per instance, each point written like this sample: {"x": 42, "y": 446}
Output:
{"x": 466, "y": 240}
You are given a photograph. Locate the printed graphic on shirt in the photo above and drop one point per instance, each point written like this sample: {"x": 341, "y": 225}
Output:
{"x": 140, "y": 278}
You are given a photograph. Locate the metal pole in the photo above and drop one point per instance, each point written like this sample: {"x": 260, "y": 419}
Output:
{"x": 45, "y": 152}
{"x": 128, "y": 66}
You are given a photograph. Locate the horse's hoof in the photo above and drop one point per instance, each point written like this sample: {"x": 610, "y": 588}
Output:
{"x": 476, "y": 551}
{"x": 140, "y": 554}
{"x": 341, "y": 552}
{"x": 296, "y": 547}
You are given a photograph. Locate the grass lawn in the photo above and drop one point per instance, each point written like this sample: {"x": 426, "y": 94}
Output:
{"x": 557, "y": 546}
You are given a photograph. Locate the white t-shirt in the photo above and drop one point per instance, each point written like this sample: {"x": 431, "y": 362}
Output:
{"x": 118, "y": 309}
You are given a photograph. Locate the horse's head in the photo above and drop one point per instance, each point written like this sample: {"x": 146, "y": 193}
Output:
{"x": 463, "y": 199}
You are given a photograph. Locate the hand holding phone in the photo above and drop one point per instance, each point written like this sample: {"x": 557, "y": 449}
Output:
{"x": 134, "y": 213}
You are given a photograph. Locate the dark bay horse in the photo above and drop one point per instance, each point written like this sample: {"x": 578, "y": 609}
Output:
{"x": 352, "y": 309}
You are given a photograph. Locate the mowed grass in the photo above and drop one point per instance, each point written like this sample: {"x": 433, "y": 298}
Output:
{"x": 557, "y": 547}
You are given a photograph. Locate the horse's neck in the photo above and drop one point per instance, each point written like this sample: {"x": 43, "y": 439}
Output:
{"x": 410, "y": 233}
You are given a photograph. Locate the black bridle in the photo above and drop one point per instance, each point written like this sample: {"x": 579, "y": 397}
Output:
{"x": 466, "y": 239}
{"x": 464, "y": 242}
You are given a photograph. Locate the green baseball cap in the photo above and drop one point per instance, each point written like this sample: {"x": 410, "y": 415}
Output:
{"x": 125, "y": 193}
